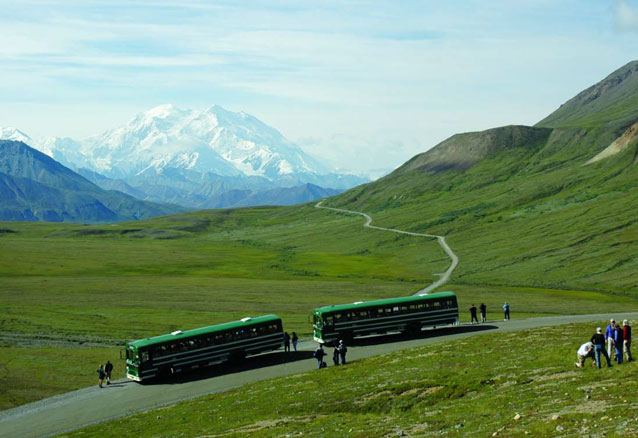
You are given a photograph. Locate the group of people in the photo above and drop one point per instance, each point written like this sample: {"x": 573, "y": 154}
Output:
{"x": 338, "y": 354}
{"x": 616, "y": 338}
{"x": 104, "y": 372}
{"x": 287, "y": 339}
{"x": 483, "y": 309}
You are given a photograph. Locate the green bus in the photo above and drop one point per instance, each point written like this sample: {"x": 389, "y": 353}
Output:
{"x": 179, "y": 351}
{"x": 408, "y": 314}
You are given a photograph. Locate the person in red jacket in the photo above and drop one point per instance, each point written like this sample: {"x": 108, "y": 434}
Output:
{"x": 627, "y": 339}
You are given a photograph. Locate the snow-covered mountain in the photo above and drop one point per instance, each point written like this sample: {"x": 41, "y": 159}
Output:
{"x": 189, "y": 157}
{"x": 210, "y": 141}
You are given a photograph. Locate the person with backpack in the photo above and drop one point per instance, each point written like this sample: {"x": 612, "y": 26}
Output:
{"x": 108, "y": 369}
{"x": 627, "y": 339}
{"x": 618, "y": 343}
{"x": 100, "y": 375}
{"x": 342, "y": 351}
{"x": 319, "y": 354}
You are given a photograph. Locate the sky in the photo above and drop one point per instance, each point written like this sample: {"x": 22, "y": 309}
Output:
{"x": 363, "y": 85}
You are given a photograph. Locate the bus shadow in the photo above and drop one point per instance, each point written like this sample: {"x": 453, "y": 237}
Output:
{"x": 250, "y": 363}
{"x": 425, "y": 334}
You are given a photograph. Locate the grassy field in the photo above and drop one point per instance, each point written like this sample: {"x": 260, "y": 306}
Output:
{"x": 512, "y": 384}
{"x": 82, "y": 291}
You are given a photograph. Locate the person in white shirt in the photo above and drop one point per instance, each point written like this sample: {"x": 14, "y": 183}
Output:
{"x": 586, "y": 350}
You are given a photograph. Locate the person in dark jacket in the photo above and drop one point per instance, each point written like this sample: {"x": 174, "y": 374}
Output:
{"x": 618, "y": 343}
{"x": 627, "y": 339}
{"x": 108, "y": 369}
{"x": 342, "y": 352}
{"x": 335, "y": 353}
{"x": 473, "y": 314}
{"x": 483, "y": 309}
{"x": 100, "y": 375}
{"x": 599, "y": 347}
{"x": 319, "y": 354}
{"x": 286, "y": 342}
{"x": 295, "y": 339}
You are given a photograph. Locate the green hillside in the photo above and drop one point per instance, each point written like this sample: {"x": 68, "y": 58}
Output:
{"x": 532, "y": 223}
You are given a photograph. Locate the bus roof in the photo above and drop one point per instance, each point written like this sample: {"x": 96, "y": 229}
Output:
{"x": 179, "y": 335}
{"x": 384, "y": 302}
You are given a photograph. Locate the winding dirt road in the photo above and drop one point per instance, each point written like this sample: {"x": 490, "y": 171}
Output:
{"x": 453, "y": 257}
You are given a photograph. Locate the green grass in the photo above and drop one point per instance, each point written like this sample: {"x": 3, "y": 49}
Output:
{"x": 470, "y": 387}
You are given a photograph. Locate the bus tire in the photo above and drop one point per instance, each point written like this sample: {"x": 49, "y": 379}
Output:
{"x": 347, "y": 337}
{"x": 413, "y": 330}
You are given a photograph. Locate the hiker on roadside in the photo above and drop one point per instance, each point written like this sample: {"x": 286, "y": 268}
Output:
{"x": 506, "y": 312}
{"x": 473, "y": 314}
{"x": 483, "y": 309}
{"x": 586, "y": 350}
{"x": 108, "y": 369}
{"x": 335, "y": 353}
{"x": 342, "y": 351}
{"x": 618, "y": 343}
{"x": 286, "y": 342}
{"x": 627, "y": 339}
{"x": 319, "y": 354}
{"x": 295, "y": 339}
{"x": 609, "y": 337}
{"x": 599, "y": 347}
{"x": 100, "y": 375}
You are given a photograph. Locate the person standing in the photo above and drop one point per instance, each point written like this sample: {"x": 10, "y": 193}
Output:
{"x": 286, "y": 342}
{"x": 100, "y": 375}
{"x": 627, "y": 339}
{"x": 618, "y": 343}
{"x": 506, "y": 312}
{"x": 335, "y": 353}
{"x": 473, "y": 314}
{"x": 599, "y": 347}
{"x": 108, "y": 369}
{"x": 586, "y": 350}
{"x": 483, "y": 309}
{"x": 342, "y": 352}
{"x": 295, "y": 339}
{"x": 609, "y": 337}
{"x": 319, "y": 354}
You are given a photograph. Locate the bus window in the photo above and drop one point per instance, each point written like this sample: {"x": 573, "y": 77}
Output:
{"x": 144, "y": 356}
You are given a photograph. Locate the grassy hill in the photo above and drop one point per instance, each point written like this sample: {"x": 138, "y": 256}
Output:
{"x": 481, "y": 386}
{"x": 532, "y": 223}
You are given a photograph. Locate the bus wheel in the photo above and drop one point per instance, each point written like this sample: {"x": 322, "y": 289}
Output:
{"x": 237, "y": 357}
{"x": 413, "y": 330}
{"x": 347, "y": 337}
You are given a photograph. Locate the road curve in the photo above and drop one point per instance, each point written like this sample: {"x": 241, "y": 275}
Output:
{"x": 453, "y": 257}
{"x": 77, "y": 409}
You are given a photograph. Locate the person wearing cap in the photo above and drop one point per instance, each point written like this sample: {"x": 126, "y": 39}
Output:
{"x": 627, "y": 337}
{"x": 609, "y": 337}
{"x": 599, "y": 347}
{"x": 586, "y": 350}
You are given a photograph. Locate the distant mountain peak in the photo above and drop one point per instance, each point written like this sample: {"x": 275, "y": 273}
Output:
{"x": 11, "y": 133}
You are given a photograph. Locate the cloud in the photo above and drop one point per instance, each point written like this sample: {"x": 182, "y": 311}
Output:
{"x": 626, "y": 16}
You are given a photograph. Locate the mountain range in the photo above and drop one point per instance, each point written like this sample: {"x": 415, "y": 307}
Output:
{"x": 192, "y": 158}
{"x": 34, "y": 187}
